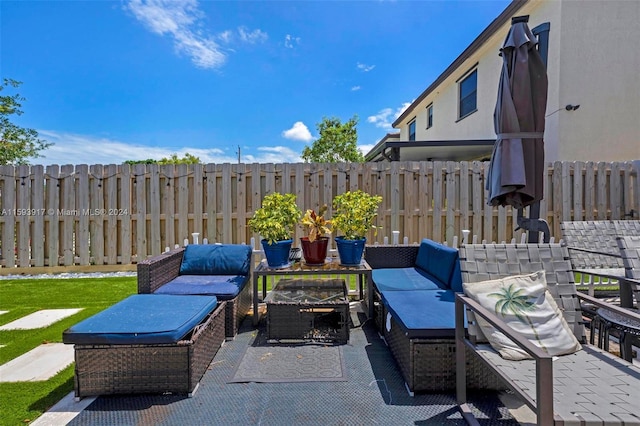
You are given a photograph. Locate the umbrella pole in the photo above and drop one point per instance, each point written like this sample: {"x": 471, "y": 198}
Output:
{"x": 534, "y": 214}
{"x": 533, "y": 226}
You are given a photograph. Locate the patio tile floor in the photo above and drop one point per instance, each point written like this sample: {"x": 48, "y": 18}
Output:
{"x": 374, "y": 393}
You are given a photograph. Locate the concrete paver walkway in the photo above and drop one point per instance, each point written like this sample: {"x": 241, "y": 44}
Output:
{"x": 40, "y": 363}
{"x": 39, "y": 319}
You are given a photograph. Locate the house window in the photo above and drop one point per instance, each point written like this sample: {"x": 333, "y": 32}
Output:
{"x": 412, "y": 130}
{"x": 468, "y": 94}
{"x": 430, "y": 116}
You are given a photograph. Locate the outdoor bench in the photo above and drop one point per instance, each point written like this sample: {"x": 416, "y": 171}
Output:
{"x": 147, "y": 343}
{"x": 221, "y": 270}
{"x": 414, "y": 310}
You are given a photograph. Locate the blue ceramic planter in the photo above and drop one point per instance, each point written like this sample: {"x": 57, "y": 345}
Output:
{"x": 277, "y": 254}
{"x": 350, "y": 251}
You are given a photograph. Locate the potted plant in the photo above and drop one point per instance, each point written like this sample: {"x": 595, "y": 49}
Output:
{"x": 275, "y": 221}
{"x": 314, "y": 246}
{"x": 354, "y": 215}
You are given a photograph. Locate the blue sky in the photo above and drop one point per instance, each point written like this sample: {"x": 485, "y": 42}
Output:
{"x": 109, "y": 81}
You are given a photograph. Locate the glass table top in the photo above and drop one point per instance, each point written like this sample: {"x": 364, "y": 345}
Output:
{"x": 302, "y": 290}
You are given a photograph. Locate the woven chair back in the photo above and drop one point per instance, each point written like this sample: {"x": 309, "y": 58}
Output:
{"x": 481, "y": 262}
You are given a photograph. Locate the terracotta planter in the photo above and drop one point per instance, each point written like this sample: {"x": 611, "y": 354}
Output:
{"x": 314, "y": 252}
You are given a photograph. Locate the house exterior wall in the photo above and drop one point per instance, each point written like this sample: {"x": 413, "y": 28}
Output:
{"x": 593, "y": 60}
{"x": 599, "y": 64}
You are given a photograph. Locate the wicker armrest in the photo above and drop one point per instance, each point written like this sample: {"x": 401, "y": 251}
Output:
{"x": 388, "y": 256}
{"x": 159, "y": 270}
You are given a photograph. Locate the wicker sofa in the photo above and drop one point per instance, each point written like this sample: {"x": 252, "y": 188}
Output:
{"x": 414, "y": 310}
{"x": 221, "y": 270}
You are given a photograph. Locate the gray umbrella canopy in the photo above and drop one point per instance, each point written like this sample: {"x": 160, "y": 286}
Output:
{"x": 516, "y": 171}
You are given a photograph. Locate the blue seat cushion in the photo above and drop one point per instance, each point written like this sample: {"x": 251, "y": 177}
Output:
{"x": 216, "y": 259}
{"x": 423, "y": 313}
{"x": 224, "y": 287}
{"x": 439, "y": 261}
{"x": 142, "y": 319}
{"x": 390, "y": 279}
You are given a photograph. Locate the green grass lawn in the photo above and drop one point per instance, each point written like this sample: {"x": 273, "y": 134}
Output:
{"x": 23, "y": 402}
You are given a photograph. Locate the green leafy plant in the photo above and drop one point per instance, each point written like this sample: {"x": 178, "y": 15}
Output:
{"x": 315, "y": 224}
{"x": 355, "y": 213}
{"x": 276, "y": 219}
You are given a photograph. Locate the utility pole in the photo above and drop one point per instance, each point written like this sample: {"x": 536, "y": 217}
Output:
{"x": 238, "y": 154}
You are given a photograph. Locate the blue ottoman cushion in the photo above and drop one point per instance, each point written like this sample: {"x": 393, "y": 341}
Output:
{"x": 394, "y": 279}
{"x": 423, "y": 313}
{"x": 224, "y": 287}
{"x": 142, "y": 319}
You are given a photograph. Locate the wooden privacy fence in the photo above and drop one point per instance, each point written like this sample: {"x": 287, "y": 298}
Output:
{"x": 120, "y": 214}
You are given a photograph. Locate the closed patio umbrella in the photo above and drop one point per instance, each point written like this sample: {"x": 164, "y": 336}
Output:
{"x": 516, "y": 170}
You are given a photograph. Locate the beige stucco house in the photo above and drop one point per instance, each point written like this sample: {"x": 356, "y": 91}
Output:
{"x": 593, "y": 61}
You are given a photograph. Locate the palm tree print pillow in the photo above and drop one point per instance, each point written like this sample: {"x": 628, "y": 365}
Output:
{"x": 525, "y": 304}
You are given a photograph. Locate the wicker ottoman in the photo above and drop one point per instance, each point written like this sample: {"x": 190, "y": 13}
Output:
{"x": 147, "y": 344}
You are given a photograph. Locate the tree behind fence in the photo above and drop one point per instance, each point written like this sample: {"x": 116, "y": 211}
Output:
{"x": 121, "y": 214}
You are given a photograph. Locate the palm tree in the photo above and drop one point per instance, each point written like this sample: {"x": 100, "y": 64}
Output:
{"x": 512, "y": 301}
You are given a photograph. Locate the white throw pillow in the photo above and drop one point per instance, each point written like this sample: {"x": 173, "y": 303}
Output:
{"x": 525, "y": 304}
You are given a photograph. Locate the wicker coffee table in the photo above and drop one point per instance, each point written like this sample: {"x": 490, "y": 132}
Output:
{"x": 308, "y": 309}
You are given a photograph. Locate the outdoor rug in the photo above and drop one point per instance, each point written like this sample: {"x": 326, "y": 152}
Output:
{"x": 284, "y": 363}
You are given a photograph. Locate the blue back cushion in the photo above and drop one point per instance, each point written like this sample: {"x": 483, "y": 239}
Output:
{"x": 216, "y": 259}
{"x": 438, "y": 260}
{"x": 143, "y": 319}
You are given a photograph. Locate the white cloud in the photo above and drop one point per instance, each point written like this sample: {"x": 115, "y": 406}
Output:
{"x": 226, "y": 36}
{"x": 385, "y": 117}
{"x": 364, "y": 149}
{"x": 290, "y": 41}
{"x": 365, "y": 67}
{"x": 355, "y": 88}
{"x": 275, "y": 154}
{"x": 83, "y": 149}
{"x": 252, "y": 37}
{"x": 72, "y": 148}
{"x": 243, "y": 35}
{"x": 179, "y": 19}
{"x": 299, "y": 132}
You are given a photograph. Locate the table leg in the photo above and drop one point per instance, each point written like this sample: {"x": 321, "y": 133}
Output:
{"x": 626, "y": 295}
{"x": 370, "y": 294}
{"x": 255, "y": 300}
{"x": 625, "y": 346}
{"x": 592, "y": 330}
{"x": 264, "y": 287}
